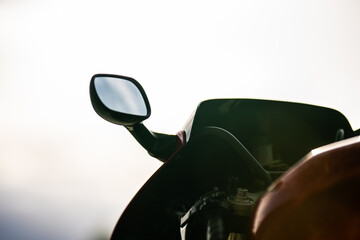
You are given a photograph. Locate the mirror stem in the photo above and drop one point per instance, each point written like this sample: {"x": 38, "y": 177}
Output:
{"x": 357, "y": 132}
{"x": 158, "y": 145}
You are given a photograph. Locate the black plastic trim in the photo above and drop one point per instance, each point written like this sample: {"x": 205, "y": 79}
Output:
{"x": 113, "y": 116}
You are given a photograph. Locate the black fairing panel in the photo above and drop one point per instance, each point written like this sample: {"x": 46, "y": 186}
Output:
{"x": 207, "y": 161}
{"x": 154, "y": 212}
{"x": 293, "y": 129}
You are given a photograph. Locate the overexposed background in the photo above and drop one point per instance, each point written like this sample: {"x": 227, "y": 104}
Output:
{"x": 67, "y": 174}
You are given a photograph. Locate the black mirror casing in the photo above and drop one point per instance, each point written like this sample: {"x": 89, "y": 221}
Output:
{"x": 116, "y": 116}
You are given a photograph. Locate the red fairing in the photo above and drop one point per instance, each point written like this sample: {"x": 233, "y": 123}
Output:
{"x": 317, "y": 199}
{"x": 181, "y": 139}
{"x": 181, "y": 142}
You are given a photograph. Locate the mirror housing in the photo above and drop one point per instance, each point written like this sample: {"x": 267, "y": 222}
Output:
{"x": 119, "y": 99}
{"x": 122, "y": 100}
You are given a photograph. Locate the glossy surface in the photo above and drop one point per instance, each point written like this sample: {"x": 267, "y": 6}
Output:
{"x": 316, "y": 199}
{"x": 120, "y": 95}
{"x": 272, "y": 131}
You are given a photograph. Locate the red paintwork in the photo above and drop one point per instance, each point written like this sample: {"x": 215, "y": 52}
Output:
{"x": 182, "y": 139}
{"x": 181, "y": 142}
{"x": 319, "y": 198}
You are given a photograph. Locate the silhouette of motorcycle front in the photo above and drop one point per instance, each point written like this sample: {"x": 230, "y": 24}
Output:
{"x": 239, "y": 169}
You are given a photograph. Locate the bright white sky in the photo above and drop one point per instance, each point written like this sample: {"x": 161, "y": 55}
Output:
{"x": 63, "y": 167}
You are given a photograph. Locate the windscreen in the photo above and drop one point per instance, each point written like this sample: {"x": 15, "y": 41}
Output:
{"x": 276, "y": 133}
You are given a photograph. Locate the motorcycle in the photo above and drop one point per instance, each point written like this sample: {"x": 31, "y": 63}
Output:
{"x": 240, "y": 169}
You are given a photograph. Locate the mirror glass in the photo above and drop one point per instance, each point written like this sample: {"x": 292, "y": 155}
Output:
{"x": 120, "y": 95}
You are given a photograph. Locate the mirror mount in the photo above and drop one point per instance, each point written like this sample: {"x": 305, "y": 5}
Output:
{"x": 122, "y": 100}
{"x": 357, "y": 132}
{"x": 158, "y": 145}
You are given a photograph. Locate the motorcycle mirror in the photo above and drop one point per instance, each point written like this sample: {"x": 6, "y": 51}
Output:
{"x": 119, "y": 99}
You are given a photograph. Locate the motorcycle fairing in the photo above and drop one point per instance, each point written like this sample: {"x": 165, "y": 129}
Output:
{"x": 292, "y": 129}
{"x": 316, "y": 199}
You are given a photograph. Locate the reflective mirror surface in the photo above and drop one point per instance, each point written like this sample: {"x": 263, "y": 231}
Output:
{"x": 120, "y": 95}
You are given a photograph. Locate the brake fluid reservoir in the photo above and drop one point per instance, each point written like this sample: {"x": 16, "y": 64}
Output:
{"x": 241, "y": 204}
